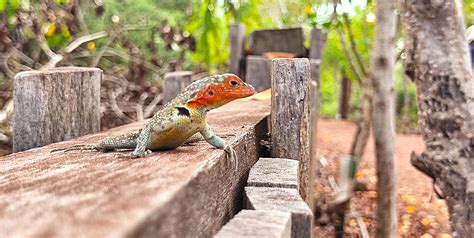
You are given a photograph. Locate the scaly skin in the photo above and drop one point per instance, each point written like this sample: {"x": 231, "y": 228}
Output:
{"x": 180, "y": 119}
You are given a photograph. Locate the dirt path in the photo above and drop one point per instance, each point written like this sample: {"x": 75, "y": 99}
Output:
{"x": 337, "y": 134}
{"x": 419, "y": 211}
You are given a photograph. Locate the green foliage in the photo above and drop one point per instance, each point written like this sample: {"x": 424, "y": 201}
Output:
{"x": 329, "y": 87}
{"x": 12, "y": 6}
{"x": 468, "y": 9}
{"x": 335, "y": 62}
{"x": 210, "y": 26}
{"x": 3, "y": 5}
{"x": 406, "y": 104}
{"x": 154, "y": 26}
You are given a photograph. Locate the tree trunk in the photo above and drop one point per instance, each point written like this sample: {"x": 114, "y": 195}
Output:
{"x": 381, "y": 77}
{"x": 363, "y": 128}
{"x": 438, "y": 62}
{"x": 345, "y": 98}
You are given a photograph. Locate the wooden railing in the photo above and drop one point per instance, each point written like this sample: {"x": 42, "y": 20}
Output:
{"x": 191, "y": 191}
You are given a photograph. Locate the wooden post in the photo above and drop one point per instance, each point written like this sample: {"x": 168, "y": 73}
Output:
{"x": 253, "y": 224}
{"x": 316, "y": 45}
{"x": 283, "y": 200}
{"x": 258, "y": 71}
{"x": 55, "y": 105}
{"x": 290, "y": 120}
{"x": 174, "y": 83}
{"x": 237, "y": 39}
{"x": 275, "y": 173}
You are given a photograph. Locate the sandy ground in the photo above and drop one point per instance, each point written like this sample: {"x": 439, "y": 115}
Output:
{"x": 420, "y": 212}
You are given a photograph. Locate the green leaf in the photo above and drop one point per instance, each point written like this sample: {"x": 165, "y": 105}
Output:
{"x": 3, "y": 4}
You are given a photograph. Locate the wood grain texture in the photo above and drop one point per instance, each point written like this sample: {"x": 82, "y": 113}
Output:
{"x": 285, "y": 200}
{"x": 253, "y": 224}
{"x": 191, "y": 191}
{"x": 237, "y": 40}
{"x": 55, "y": 105}
{"x": 274, "y": 172}
{"x": 277, "y": 40}
{"x": 258, "y": 72}
{"x": 290, "y": 120}
{"x": 175, "y": 82}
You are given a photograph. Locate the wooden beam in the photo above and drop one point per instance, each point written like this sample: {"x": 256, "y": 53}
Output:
{"x": 284, "y": 200}
{"x": 258, "y": 72}
{"x": 317, "y": 38}
{"x": 237, "y": 40}
{"x": 191, "y": 191}
{"x": 253, "y": 224}
{"x": 274, "y": 172}
{"x": 278, "y": 40}
{"x": 55, "y": 105}
{"x": 290, "y": 120}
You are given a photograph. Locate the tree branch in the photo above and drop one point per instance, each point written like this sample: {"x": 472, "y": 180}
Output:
{"x": 353, "y": 45}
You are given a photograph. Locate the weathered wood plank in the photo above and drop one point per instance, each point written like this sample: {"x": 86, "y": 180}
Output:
{"x": 187, "y": 192}
{"x": 252, "y": 223}
{"x": 285, "y": 200}
{"x": 258, "y": 72}
{"x": 290, "y": 120}
{"x": 237, "y": 40}
{"x": 317, "y": 39}
{"x": 277, "y": 40}
{"x": 274, "y": 172}
{"x": 55, "y": 105}
{"x": 175, "y": 82}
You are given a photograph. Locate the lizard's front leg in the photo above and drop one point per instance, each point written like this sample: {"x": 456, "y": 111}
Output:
{"x": 219, "y": 143}
{"x": 142, "y": 141}
{"x": 152, "y": 129}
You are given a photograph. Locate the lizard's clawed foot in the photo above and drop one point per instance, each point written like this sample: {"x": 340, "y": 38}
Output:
{"x": 232, "y": 156}
{"x": 138, "y": 154}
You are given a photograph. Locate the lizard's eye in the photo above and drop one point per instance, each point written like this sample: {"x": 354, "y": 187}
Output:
{"x": 210, "y": 92}
{"x": 233, "y": 83}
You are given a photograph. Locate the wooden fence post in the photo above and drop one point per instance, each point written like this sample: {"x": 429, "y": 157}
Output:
{"x": 258, "y": 71}
{"x": 237, "y": 40}
{"x": 174, "y": 83}
{"x": 290, "y": 119}
{"x": 317, "y": 39}
{"x": 55, "y": 105}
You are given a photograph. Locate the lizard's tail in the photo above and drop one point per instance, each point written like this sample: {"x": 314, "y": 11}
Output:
{"x": 76, "y": 147}
{"x": 127, "y": 141}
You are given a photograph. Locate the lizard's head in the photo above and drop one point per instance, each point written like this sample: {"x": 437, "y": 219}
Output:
{"x": 227, "y": 88}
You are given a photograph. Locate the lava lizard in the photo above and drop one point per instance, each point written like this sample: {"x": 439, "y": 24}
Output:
{"x": 180, "y": 119}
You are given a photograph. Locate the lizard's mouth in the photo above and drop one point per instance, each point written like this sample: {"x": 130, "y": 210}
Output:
{"x": 239, "y": 93}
